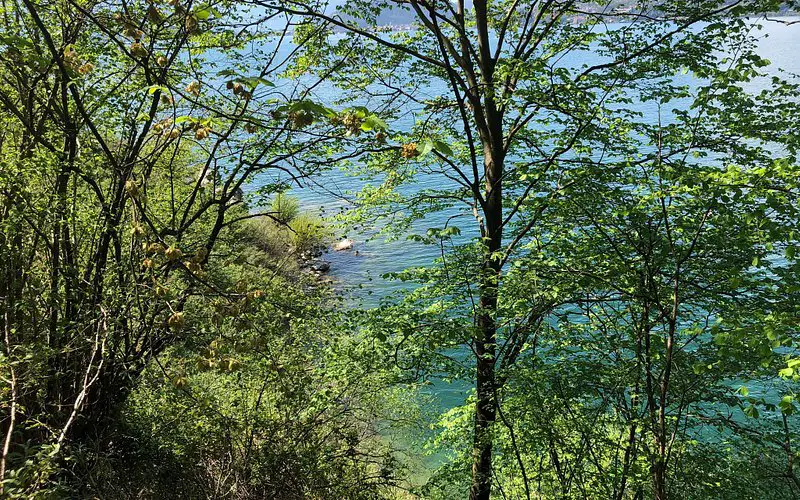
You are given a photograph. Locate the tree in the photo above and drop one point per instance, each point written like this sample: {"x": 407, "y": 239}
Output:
{"x": 525, "y": 107}
{"x": 129, "y": 133}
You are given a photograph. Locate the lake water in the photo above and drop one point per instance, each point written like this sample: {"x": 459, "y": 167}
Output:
{"x": 358, "y": 274}
{"x": 780, "y": 44}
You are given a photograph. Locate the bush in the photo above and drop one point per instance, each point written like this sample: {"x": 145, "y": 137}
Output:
{"x": 253, "y": 407}
{"x": 276, "y": 238}
{"x": 309, "y": 232}
{"x": 285, "y": 208}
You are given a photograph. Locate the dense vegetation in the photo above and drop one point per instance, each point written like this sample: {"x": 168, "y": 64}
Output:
{"x": 615, "y": 214}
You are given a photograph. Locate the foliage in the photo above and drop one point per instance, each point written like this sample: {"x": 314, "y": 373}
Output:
{"x": 130, "y": 134}
{"x": 611, "y": 191}
{"x": 611, "y": 205}
{"x": 258, "y": 405}
{"x": 285, "y": 207}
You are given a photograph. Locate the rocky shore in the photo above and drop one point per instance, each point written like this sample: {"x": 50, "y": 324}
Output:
{"x": 313, "y": 261}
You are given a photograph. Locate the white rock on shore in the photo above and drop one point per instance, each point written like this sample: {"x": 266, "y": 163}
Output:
{"x": 345, "y": 244}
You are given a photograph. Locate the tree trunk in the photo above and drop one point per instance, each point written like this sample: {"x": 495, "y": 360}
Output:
{"x": 485, "y": 411}
{"x": 659, "y": 470}
{"x": 486, "y": 341}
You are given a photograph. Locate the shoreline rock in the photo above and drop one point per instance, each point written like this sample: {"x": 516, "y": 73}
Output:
{"x": 345, "y": 244}
{"x": 312, "y": 263}
{"x": 320, "y": 266}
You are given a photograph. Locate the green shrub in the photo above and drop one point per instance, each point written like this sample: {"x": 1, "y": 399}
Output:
{"x": 309, "y": 231}
{"x": 285, "y": 208}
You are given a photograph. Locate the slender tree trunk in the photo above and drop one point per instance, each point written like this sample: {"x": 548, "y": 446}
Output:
{"x": 658, "y": 471}
{"x": 659, "y": 468}
{"x": 58, "y": 383}
{"x": 486, "y": 336}
{"x": 490, "y": 127}
{"x": 485, "y": 411}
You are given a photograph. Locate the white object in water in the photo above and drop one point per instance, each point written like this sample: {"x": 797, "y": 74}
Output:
{"x": 345, "y": 244}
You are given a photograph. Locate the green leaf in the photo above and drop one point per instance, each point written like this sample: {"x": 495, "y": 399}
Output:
{"x": 17, "y": 42}
{"x": 311, "y": 107}
{"x": 787, "y": 405}
{"x": 372, "y": 122}
{"x": 202, "y": 13}
{"x": 751, "y": 411}
{"x": 451, "y": 231}
{"x": 442, "y": 148}
{"x": 426, "y": 148}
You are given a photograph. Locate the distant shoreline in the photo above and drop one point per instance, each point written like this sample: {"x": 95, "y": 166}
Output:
{"x": 576, "y": 19}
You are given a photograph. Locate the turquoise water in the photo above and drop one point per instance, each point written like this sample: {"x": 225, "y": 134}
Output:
{"x": 358, "y": 274}
{"x": 328, "y": 194}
